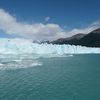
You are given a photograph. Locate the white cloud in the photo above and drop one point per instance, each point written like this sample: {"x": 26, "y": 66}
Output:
{"x": 38, "y": 31}
{"x": 47, "y": 19}
{"x": 86, "y": 30}
{"x": 96, "y": 23}
{"x": 9, "y": 25}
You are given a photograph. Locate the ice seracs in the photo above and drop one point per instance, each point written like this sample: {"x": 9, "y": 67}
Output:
{"x": 23, "y": 46}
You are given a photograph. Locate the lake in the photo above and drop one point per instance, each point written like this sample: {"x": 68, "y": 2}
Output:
{"x": 68, "y": 77}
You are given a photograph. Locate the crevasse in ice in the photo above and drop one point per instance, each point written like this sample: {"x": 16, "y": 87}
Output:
{"x": 23, "y": 46}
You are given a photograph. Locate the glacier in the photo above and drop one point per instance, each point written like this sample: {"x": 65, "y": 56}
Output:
{"x": 24, "y": 46}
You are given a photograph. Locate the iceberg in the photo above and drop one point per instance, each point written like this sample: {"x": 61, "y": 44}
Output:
{"x": 24, "y": 46}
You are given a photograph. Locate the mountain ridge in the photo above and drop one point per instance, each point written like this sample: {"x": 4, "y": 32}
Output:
{"x": 91, "y": 39}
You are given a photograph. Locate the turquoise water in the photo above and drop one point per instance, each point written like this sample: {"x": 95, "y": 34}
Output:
{"x": 51, "y": 78}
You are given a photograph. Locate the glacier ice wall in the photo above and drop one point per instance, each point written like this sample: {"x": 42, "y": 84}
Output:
{"x": 22, "y": 46}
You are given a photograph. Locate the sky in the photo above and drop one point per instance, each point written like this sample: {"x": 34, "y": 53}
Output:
{"x": 48, "y": 19}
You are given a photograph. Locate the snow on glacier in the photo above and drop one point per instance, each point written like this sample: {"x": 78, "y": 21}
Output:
{"x": 23, "y": 46}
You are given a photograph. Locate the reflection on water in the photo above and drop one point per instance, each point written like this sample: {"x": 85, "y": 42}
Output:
{"x": 18, "y": 61}
{"x": 8, "y": 61}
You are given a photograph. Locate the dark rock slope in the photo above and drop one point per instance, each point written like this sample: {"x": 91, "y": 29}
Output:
{"x": 91, "y": 39}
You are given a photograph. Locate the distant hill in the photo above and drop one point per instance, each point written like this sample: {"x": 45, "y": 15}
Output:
{"x": 91, "y": 39}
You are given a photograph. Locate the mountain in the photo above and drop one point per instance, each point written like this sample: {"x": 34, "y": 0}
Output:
{"x": 41, "y": 42}
{"x": 70, "y": 40}
{"x": 91, "y": 39}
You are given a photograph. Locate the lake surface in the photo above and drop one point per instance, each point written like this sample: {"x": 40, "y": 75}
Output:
{"x": 70, "y": 77}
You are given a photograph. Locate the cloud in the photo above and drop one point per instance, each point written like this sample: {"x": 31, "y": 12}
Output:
{"x": 86, "y": 30}
{"x": 38, "y": 31}
{"x": 47, "y": 19}
{"x": 96, "y": 23}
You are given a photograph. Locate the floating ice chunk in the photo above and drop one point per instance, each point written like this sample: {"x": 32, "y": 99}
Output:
{"x": 20, "y": 64}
